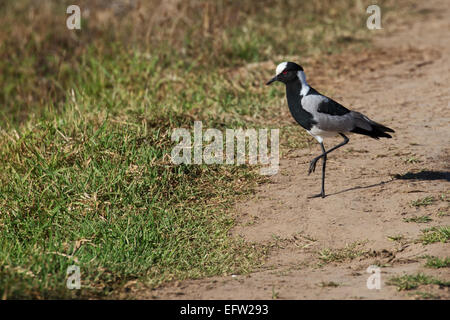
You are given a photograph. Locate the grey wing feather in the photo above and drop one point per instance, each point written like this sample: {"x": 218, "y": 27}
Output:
{"x": 361, "y": 121}
{"x": 329, "y": 115}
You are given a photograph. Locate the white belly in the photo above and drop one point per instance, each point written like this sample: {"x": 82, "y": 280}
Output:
{"x": 322, "y": 133}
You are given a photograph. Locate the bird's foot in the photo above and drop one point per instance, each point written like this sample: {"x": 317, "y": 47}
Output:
{"x": 312, "y": 165}
{"x": 322, "y": 195}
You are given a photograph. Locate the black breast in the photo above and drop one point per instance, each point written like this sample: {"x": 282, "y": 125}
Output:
{"x": 303, "y": 117}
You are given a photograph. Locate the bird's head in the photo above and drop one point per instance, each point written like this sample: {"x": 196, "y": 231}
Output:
{"x": 286, "y": 72}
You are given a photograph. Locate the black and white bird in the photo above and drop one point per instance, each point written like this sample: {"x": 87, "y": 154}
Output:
{"x": 322, "y": 116}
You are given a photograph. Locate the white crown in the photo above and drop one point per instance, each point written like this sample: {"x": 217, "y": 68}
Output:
{"x": 281, "y": 67}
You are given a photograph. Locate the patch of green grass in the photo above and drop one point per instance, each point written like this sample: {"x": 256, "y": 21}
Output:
{"x": 396, "y": 237}
{"x": 420, "y": 219}
{"x": 275, "y": 294}
{"x": 436, "y": 262}
{"x": 99, "y": 195}
{"x": 350, "y": 252}
{"x": 409, "y": 282}
{"x": 443, "y": 213}
{"x": 425, "y": 295}
{"x": 435, "y": 234}
{"x": 423, "y": 202}
{"x": 412, "y": 159}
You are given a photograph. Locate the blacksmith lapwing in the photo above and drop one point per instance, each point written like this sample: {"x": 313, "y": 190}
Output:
{"x": 322, "y": 116}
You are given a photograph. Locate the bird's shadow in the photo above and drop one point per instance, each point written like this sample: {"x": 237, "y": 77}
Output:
{"x": 425, "y": 175}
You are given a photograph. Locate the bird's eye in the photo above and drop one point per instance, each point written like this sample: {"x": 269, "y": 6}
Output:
{"x": 285, "y": 72}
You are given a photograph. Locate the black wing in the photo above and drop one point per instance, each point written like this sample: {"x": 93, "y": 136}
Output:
{"x": 331, "y": 107}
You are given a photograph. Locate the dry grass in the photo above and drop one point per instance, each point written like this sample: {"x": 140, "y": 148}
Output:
{"x": 43, "y": 56}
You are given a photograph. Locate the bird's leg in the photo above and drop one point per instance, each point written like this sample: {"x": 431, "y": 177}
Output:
{"x": 312, "y": 166}
{"x": 322, "y": 192}
{"x": 324, "y": 163}
{"x": 346, "y": 140}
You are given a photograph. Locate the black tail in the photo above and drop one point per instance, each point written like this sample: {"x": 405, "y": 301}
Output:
{"x": 377, "y": 131}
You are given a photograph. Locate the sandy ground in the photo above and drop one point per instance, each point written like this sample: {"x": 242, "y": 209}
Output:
{"x": 403, "y": 83}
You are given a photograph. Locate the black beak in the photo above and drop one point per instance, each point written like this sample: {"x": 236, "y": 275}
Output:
{"x": 272, "y": 80}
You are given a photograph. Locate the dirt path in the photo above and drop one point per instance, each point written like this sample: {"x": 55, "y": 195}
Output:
{"x": 370, "y": 184}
